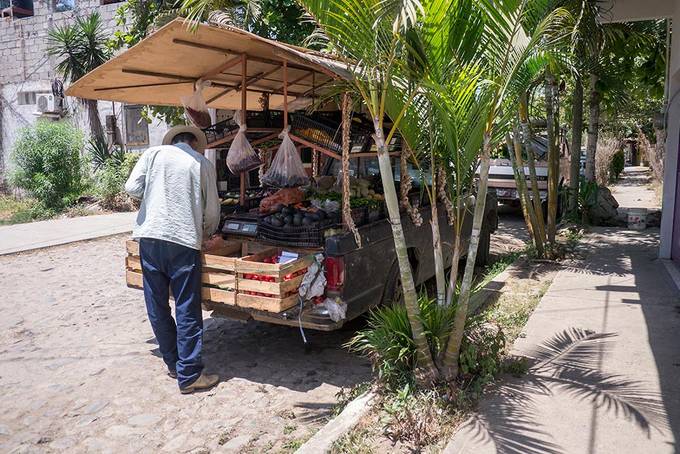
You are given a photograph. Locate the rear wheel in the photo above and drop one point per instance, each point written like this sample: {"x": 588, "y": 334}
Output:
{"x": 394, "y": 292}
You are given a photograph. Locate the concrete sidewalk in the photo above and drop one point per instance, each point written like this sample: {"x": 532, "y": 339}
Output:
{"x": 604, "y": 368}
{"x": 36, "y": 235}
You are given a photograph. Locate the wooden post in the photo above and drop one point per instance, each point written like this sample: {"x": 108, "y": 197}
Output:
{"x": 285, "y": 94}
{"x": 244, "y": 114}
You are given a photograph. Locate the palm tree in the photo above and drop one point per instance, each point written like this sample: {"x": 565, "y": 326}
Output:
{"x": 516, "y": 43}
{"x": 80, "y": 48}
{"x": 368, "y": 36}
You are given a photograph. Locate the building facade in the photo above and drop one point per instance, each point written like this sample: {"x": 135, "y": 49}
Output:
{"x": 27, "y": 75}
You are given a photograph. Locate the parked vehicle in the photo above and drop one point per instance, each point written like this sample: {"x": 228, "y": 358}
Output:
{"x": 367, "y": 276}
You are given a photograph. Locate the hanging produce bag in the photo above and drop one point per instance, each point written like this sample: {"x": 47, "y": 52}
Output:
{"x": 195, "y": 107}
{"x": 241, "y": 156}
{"x": 286, "y": 170}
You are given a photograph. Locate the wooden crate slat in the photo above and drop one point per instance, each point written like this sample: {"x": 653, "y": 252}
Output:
{"x": 216, "y": 295}
{"x": 219, "y": 279}
{"x": 264, "y": 303}
{"x": 133, "y": 263}
{"x": 274, "y": 288}
{"x": 132, "y": 247}
{"x": 134, "y": 279}
{"x": 297, "y": 265}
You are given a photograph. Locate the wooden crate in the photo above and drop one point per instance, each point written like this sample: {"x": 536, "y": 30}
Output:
{"x": 228, "y": 280}
{"x": 280, "y": 291}
{"x": 218, "y": 273}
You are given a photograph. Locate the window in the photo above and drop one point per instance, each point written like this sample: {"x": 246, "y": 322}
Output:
{"x": 64, "y": 5}
{"x": 16, "y": 8}
{"x": 136, "y": 127}
{"x": 26, "y": 98}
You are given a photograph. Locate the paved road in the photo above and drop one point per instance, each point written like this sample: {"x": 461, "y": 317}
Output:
{"x": 36, "y": 235}
{"x": 634, "y": 189}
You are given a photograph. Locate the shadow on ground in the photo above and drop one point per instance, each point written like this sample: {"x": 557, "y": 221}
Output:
{"x": 568, "y": 363}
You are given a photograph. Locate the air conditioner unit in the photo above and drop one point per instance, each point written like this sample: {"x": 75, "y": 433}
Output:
{"x": 48, "y": 103}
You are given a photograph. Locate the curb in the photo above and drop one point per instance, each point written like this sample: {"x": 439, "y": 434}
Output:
{"x": 337, "y": 427}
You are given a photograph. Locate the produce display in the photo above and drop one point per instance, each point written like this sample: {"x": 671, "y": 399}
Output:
{"x": 286, "y": 196}
{"x": 232, "y": 198}
{"x": 297, "y": 216}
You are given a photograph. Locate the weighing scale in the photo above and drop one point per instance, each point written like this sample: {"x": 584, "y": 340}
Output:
{"x": 242, "y": 224}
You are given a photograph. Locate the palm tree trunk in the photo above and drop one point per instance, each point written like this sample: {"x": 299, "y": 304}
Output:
{"x": 593, "y": 127}
{"x": 440, "y": 276}
{"x": 455, "y": 261}
{"x": 96, "y": 129}
{"x": 553, "y": 154}
{"x": 531, "y": 163}
{"x": 527, "y": 206}
{"x": 521, "y": 183}
{"x": 452, "y": 352}
{"x": 576, "y": 138}
{"x": 424, "y": 356}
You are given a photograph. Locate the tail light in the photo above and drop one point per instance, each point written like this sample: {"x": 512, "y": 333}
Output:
{"x": 335, "y": 273}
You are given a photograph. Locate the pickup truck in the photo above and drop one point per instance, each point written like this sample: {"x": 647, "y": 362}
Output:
{"x": 369, "y": 276}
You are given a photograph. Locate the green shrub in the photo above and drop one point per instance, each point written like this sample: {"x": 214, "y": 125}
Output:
{"x": 47, "y": 163}
{"x": 110, "y": 181}
{"x": 616, "y": 165}
{"x": 388, "y": 343}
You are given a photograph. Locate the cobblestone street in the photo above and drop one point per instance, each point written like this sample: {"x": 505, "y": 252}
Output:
{"x": 80, "y": 371}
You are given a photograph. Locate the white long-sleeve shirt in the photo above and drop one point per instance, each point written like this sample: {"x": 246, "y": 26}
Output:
{"x": 178, "y": 190}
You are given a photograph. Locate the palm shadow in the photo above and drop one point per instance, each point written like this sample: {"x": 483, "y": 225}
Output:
{"x": 567, "y": 363}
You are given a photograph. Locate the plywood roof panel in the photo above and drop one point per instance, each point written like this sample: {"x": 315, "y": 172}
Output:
{"x": 162, "y": 69}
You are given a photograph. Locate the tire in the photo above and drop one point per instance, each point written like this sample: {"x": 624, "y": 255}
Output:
{"x": 484, "y": 247}
{"x": 393, "y": 293}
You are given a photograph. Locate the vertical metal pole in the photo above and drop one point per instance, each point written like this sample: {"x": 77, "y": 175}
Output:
{"x": 244, "y": 109}
{"x": 285, "y": 94}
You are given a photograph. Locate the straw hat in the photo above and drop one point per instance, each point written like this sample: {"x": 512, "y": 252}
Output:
{"x": 200, "y": 136}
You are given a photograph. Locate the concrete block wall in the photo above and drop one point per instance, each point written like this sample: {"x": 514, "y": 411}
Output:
{"x": 25, "y": 66}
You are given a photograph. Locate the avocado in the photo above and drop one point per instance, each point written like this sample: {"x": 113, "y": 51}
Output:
{"x": 288, "y": 219}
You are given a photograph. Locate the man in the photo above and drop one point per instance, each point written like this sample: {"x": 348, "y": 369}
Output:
{"x": 180, "y": 207}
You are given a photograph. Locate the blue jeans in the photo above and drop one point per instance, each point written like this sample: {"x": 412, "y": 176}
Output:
{"x": 170, "y": 266}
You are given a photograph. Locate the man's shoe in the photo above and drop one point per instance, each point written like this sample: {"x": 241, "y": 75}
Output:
{"x": 204, "y": 381}
{"x": 172, "y": 374}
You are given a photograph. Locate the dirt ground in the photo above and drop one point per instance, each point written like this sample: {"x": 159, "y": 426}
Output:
{"x": 80, "y": 370}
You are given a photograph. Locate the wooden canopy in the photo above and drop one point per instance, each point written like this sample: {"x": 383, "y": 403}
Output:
{"x": 163, "y": 68}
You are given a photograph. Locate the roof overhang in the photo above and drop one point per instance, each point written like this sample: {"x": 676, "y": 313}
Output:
{"x": 162, "y": 69}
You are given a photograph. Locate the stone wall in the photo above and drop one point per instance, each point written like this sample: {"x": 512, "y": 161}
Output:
{"x": 26, "y": 67}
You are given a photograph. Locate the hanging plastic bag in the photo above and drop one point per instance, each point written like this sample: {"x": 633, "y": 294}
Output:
{"x": 314, "y": 282}
{"x": 241, "y": 156}
{"x": 286, "y": 170}
{"x": 195, "y": 107}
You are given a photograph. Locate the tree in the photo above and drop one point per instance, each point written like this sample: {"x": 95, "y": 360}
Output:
{"x": 80, "y": 48}
{"x": 368, "y": 36}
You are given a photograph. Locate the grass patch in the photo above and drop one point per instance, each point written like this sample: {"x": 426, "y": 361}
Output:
{"x": 14, "y": 210}
{"x": 356, "y": 441}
